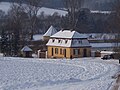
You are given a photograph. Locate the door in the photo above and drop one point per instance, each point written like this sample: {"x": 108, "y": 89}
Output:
{"x": 27, "y": 54}
{"x": 84, "y": 52}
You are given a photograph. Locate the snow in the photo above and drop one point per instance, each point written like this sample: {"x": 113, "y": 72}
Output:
{"x": 102, "y": 45}
{"x": 69, "y": 43}
{"x": 48, "y": 74}
{"x": 67, "y": 38}
{"x": 38, "y": 37}
{"x": 26, "y": 48}
{"x": 102, "y": 12}
{"x": 68, "y": 34}
{"x": 107, "y": 52}
{"x": 90, "y": 36}
{"x": 51, "y": 31}
{"x": 50, "y": 11}
{"x": 100, "y": 36}
{"x": 5, "y": 6}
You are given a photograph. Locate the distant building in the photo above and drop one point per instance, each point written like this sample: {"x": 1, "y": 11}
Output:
{"x": 26, "y": 51}
{"x": 68, "y": 44}
{"x": 49, "y": 33}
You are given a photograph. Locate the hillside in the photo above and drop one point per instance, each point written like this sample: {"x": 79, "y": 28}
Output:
{"x": 5, "y": 6}
{"x": 91, "y": 4}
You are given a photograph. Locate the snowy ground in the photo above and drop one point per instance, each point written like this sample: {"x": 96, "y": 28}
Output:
{"x": 37, "y": 74}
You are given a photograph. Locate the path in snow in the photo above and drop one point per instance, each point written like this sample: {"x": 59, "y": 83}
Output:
{"x": 35, "y": 74}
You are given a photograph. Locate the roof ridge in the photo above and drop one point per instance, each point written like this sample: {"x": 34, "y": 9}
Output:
{"x": 50, "y": 31}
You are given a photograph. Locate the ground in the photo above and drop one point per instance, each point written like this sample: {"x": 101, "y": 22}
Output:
{"x": 46, "y": 74}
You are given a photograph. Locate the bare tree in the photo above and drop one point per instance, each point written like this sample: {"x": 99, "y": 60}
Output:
{"x": 72, "y": 7}
{"x": 114, "y": 24}
{"x": 14, "y": 25}
{"x": 32, "y": 7}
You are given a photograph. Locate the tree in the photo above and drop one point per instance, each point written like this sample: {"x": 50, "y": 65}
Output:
{"x": 114, "y": 24}
{"x": 3, "y": 41}
{"x": 15, "y": 26}
{"x": 32, "y": 7}
{"x": 72, "y": 7}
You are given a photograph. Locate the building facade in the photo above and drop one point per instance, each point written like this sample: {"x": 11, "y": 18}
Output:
{"x": 68, "y": 44}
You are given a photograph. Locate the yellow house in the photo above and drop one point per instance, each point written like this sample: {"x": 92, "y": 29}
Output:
{"x": 68, "y": 44}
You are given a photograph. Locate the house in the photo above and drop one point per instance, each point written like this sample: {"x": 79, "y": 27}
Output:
{"x": 49, "y": 33}
{"x": 26, "y": 51}
{"x": 68, "y": 44}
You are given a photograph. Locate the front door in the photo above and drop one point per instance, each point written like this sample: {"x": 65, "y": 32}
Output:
{"x": 27, "y": 54}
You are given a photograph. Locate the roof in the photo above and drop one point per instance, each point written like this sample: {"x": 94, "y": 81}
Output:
{"x": 69, "y": 43}
{"x": 50, "y": 31}
{"x": 68, "y": 34}
{"x": 26, "y": 49}
{"x": 37, "y": 37}
{"x": 107, "y": 52}
{"x": 102, "y": 12}
{"x": 102, "y": 45}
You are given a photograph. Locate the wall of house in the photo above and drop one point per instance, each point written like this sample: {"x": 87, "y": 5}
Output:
{"x": 81, "y": 52}
{"x": 46, "y": 38}
{"x": 69, "y": 52}
{"x": 58, "y": 55}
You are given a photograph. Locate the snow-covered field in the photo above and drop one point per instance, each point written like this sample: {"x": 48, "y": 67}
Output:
{"x": 37, "y": 74}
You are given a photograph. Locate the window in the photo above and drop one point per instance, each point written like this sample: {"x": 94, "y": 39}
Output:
{"x": 56, "y": 50}
{"x": 53, "y": 40}
{"x": 61, "y": 51}
{"x": 59, "y": 41}
{"x": 76, "y": 51}
{"x": 52, "y": 51}
{"x": 80, "y": 41}
{"x": 66, "y": 41}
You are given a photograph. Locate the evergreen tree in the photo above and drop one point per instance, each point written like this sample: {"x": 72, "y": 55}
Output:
{"x": 4, "y": 42}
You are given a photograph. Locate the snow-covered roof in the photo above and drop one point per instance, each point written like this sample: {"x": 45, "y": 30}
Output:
{"x": 50, "y": 31}
{"x": 102, "y": 12}
{"x": 68, "y": 43}
{"x": 37, "y": 37}
{"x": 102, "y": 45}
{"x": 25, "y": 49}
{"x": 67, "y": 38}
{"x": 107, "y": 52}
{"x": 68, "y": 34}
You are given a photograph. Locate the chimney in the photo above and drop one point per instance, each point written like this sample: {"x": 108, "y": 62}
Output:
{"x": 62, "y": 30}
{"x": 71, "y": 30}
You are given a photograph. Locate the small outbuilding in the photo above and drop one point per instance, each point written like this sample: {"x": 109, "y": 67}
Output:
{"x": 26, "y": 51}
